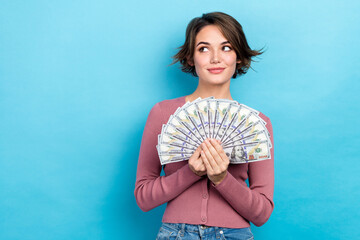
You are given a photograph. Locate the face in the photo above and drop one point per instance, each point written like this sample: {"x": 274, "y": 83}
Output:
{"x": 214, "y": 58}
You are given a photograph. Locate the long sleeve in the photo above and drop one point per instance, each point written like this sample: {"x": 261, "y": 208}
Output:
{"x": 255, "y": 203}
{"x": 151, "y": 189}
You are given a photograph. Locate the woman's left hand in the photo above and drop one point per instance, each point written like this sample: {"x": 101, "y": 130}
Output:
{"x": 215, "y": 160}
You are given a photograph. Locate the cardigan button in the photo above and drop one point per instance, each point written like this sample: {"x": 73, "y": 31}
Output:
{"x": 203, "y": 219}
{"x": 205, "y": 196}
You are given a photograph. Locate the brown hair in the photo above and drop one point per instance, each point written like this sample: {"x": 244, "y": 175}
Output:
{"x": 232, "y": 31}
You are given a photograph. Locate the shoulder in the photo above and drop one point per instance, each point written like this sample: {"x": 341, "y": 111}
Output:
{"x": 162, "y": 110}
{"x": 268, "y": 124}
{"x": 265, "y": 117}
{"x": 167, "y": 107}
{"x": 174, "y": 102}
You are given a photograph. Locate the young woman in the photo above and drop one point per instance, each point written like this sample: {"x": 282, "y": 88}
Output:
{"x": 207, "y": 198}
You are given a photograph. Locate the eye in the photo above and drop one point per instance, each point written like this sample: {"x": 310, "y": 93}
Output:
{"x": 202, "y": 49}
{"x": 228, "y": 48}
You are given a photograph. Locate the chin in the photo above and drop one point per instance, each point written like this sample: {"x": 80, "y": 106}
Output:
{"x": 217, "y": 80}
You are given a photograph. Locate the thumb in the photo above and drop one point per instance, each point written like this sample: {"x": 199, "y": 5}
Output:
{"x": 198, "y": 150}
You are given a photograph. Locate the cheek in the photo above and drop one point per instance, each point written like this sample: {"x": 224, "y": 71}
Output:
{"x": 200, "y": 60}
{"x": 230, "y": 59}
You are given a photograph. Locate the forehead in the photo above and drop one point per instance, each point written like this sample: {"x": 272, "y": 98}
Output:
{"x": 211, "y": 34}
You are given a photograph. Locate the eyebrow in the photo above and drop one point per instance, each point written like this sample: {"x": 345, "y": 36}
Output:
{"x": 206, "y": 43}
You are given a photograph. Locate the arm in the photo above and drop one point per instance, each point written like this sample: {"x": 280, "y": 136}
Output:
{"x": 255, "y": 202}
{"x": 151, "y": 189}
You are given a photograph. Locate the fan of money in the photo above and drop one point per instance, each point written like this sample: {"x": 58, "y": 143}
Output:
{"x": 239, "y": 128}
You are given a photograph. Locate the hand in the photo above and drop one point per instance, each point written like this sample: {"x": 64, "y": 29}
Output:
{"x": 196, "y": 164}
{"x": 215, "y": 160}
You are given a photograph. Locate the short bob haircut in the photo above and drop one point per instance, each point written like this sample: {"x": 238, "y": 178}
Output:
{"x": 232, "y": 31}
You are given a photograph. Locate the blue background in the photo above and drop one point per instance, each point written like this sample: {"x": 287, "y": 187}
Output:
{"x": 78, "y": 79}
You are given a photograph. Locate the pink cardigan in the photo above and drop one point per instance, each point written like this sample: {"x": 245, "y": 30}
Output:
{"x": 194, "y": 200}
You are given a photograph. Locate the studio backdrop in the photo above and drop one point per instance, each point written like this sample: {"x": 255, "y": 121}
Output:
{"x": 78, "y": 80}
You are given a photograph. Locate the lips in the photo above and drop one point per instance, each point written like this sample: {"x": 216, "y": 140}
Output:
{"x": 216, "y": 70}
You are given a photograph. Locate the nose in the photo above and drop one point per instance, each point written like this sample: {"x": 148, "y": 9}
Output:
{"x": 215, "y": 58}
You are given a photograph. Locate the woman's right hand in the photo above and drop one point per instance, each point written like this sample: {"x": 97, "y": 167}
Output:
{"x": 196, "y": 164}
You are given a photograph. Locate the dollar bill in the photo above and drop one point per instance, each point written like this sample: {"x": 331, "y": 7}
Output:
{"x": 175, "y": 126}
{"x": 222, "y": 112}
{"x": 202, "y": 109}
{"x": 248, "y": 152}
{"x": 242, "y": 120}
{"x": 170, "y": 158}
{"x": 184, "y": 119}
{"x": 192, "y": 114}
{"x": 228, "y": 120}
{"x": 250, "y": 126}
{"x": 250, "y": 137}
{"x": 175, "y": 140}
{"x": 212, "y": 105}
{"x": 174, "y": 149}
{"x": 240, "y": 129}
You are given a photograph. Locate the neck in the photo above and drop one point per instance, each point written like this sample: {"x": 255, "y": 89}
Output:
{"x": 204, "y": 90}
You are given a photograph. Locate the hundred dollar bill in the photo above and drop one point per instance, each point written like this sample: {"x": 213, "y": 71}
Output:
{"x": 212, "y": 105}
{"x": 171, "y": 149}
{"x": 237, "y": 122}
{"x": 243, "y": 118}
{"x": 202, "y": 109}
{"x": 250, "y": 137}
{"x": 248, "y": 152}
{"x": 247, "y": 110}
{"x": 243, "y": 130}
{"x": 221, "y": 112}
{"x": 237, "y": 126}
{"x": 249, "y": 127}
{"x": 193, "y": 115}
{"x": 175, "y": 127}
{"x": 169, "y": 158}
{"x": 185, "y": 120}
{"x": 179, "y": 135}
{"x": 231, "y": 115}
{"x": 175, "y": 140}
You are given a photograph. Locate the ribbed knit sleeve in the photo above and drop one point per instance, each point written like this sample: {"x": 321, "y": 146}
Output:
{"x": 151, "y": 189}
{"x": 255, "y": 203}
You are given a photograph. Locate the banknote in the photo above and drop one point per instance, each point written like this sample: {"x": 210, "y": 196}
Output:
{"x": 248, "y": 152}
{"x": 174, "y": 149}
{"x": 174, "y": 126}
{"x": 221, "y": 113}
{"x": 242, "y": 122}
{"x": 228, "y": 120}
{"x": 248, "y": 127}
{"x": 192, "y": 114}
{"x": 252, "y": 137}
{"x": 169, "y": 158}
{"x": 187, "y": 122}
{"x": 212, "y": 105}
{"x": 242, "y": 132}
{"x": 202, "y": 109}
{"x": 175, "y": 140}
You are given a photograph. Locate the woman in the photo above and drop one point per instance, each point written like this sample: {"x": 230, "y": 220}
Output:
{"x": 206, "y": 197}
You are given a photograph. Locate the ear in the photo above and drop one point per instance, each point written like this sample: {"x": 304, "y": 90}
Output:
{"x": 190, "y": 62}
{"x": 238, "y": 61}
